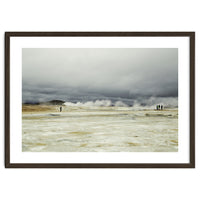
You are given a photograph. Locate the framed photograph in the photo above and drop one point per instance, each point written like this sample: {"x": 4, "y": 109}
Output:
{"x": 99, "y": 99}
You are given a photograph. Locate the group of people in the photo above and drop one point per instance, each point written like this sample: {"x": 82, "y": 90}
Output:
{"x": 159, "y": 107}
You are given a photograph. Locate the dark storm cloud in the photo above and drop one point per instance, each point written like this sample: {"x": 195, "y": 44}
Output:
{"x": 127, "y": 73}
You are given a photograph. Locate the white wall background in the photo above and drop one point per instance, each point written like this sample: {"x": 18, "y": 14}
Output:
{"x": 104, "y": 15}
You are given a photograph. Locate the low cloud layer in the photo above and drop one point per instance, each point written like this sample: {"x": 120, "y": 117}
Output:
{"x": 82, "y": 74}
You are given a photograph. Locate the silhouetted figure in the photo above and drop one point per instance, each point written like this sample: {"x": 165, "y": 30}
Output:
{"x": 60, "y": 108}
{"x": 161, "y": 107}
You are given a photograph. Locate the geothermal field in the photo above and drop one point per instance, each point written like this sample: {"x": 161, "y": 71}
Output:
{"x": 92, "y": 128}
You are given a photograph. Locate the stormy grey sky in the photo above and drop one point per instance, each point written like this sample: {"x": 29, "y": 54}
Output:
{"x": 73, "y": 73}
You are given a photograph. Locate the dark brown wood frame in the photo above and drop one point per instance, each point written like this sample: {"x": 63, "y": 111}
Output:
{"x": 191, "y": 163}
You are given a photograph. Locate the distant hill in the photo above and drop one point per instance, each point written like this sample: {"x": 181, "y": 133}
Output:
{"x": 52, "y": 102}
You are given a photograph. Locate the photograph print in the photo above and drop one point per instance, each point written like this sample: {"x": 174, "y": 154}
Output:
{"x": 100, "y": 100}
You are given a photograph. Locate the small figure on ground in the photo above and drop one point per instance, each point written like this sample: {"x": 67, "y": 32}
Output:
{"x": 60, "y": 108}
